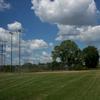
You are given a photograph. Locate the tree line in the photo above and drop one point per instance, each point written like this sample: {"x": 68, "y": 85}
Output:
{"x": 70, "y": 56}
{"x": 66, "y": 56}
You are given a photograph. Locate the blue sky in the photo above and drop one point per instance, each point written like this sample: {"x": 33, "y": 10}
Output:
{"x": 34, "y": 28}
{"x": 46, "y": 29}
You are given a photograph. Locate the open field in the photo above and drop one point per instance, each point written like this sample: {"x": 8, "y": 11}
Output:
{"x": 83, "y": 85}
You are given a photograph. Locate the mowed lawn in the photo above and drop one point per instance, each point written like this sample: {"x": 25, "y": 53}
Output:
{"x": 83, "y": 85}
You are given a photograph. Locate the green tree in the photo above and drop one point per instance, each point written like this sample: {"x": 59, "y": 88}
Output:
{"x": 91, "y": 56}
{"x": 68, "y": 52}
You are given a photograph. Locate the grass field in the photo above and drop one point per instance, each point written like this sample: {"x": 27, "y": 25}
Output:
{"x": 84, "y": 85}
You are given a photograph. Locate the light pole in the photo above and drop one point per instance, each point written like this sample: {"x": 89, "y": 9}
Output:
{"x": 1, "y": 53}
{"x": 4, "y": 52}
{"x": 19, "y": 49}
{"x": 19, "y": 32}
{"x": 11, "y": 49}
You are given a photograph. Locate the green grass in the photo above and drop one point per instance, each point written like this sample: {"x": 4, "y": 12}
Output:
{"x": 84, "y": 85}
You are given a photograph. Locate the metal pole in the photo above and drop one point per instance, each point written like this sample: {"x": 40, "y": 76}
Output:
{"x": 19, "y": 50}
{"x": 1, "y": 54}
{"x": 11, "y": 50}
{"x": 4, "y": 53}
{"x": 19, "y": 33}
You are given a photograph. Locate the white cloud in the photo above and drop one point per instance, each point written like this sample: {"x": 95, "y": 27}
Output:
{"x": 25, "y": 44}
{"x": 4, "y": 5}
{"x": 4, "y": 34}
{"x": 87, "y": 34}
{"x": 28, "y": 47}
{"x": 67, "y": 32}
{"x": 44, "y": 53}
{"x": 29, "y": 50}
{"x": 91, "y": 34}
{"x": 69, "y": 12}
{"x": 46, "y": 57}
{"x": 42, "y": 57}
{"x": 37, "y": 43}
{"x": 15, "y": 26}
{"x": 75, "y": 19}
{"x": 34, "y": 44}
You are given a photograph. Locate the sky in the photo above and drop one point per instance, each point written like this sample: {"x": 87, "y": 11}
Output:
{"x": 45, "y": 23}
